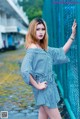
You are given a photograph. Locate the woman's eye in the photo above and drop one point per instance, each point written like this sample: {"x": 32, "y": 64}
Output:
{"x": 37, "y": 29}
{"x": 40, "y": 29}
{"x": 43, "y": 29}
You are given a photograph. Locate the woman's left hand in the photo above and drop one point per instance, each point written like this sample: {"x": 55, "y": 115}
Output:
{"x": 74, "y": 28}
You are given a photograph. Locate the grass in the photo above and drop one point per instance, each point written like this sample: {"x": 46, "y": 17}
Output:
{"x": 12, "y": 87}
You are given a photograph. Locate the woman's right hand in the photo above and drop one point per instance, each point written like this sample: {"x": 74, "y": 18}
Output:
{"x": 42, "y": 85}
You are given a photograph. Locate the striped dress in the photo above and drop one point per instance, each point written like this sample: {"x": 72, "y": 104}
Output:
{"x": 39, "y": 63}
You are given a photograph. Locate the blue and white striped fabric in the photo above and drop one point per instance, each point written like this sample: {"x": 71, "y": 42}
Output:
{"x": 38, "y": 63}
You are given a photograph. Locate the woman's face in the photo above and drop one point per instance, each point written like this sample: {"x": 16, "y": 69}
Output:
{"x": 40, "y": 31}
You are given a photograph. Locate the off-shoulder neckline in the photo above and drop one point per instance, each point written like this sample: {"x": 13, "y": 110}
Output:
{"x": 33, "y": 48}
{"x": 36, "y": 50}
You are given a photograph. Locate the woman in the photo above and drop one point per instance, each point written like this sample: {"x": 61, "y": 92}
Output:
{"x": 36, "y": 67}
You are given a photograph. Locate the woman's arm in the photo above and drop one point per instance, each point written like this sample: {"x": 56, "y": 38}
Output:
{"x": 71, "y": 39}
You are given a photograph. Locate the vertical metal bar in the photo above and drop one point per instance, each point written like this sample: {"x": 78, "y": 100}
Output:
{"x": 69, "y": 109}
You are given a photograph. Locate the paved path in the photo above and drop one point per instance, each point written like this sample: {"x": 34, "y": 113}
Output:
{"x": 23, "y": 116}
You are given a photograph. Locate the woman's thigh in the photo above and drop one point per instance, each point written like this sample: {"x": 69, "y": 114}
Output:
{"x": 53, "y": 113}
{"x": 42, "y": 113}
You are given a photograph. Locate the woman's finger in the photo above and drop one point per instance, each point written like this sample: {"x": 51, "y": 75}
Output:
{"x": 74, "y": 25}
{"x": 45, "y": 85}
{"x": 74, "y": 20}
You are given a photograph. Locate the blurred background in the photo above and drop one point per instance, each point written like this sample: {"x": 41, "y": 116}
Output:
{"x": 15, "y": 15}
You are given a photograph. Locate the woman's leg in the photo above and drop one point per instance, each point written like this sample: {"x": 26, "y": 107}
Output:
{"x": 42, "y": 113}
{"x": 53, "y": 113}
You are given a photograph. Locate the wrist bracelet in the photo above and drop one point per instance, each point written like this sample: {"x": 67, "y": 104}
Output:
{"x": 71, "y": 38}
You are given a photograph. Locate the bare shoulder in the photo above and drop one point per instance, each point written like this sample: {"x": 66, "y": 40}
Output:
{"x": 32, "y": 46}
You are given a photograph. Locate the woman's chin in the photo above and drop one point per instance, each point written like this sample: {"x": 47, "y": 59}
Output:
{"x": 40, "y": 39}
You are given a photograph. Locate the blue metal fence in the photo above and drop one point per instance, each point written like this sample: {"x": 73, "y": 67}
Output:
{"x": 59, "y": 16}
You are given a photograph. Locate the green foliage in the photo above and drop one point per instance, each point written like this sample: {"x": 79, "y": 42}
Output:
{"x": 33, "y": 8}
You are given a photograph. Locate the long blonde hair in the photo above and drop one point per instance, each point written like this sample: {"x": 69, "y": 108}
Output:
{"x": 31, "y": 35}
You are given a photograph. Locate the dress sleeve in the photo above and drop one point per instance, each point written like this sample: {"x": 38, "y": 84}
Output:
{"x": 26, "y": 68}
{"x": 58, "y": 55}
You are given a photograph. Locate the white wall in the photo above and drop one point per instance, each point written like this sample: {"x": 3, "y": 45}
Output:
{"x": 3, "y": 20}
{"x": 1, "y": 41}
{"x": 11, "y": 21}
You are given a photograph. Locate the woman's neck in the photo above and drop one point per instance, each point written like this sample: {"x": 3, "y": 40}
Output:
{"x": 38, "y": 45}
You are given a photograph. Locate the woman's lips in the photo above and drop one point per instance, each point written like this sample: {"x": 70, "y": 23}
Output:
{"x": 40, "y": 35}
